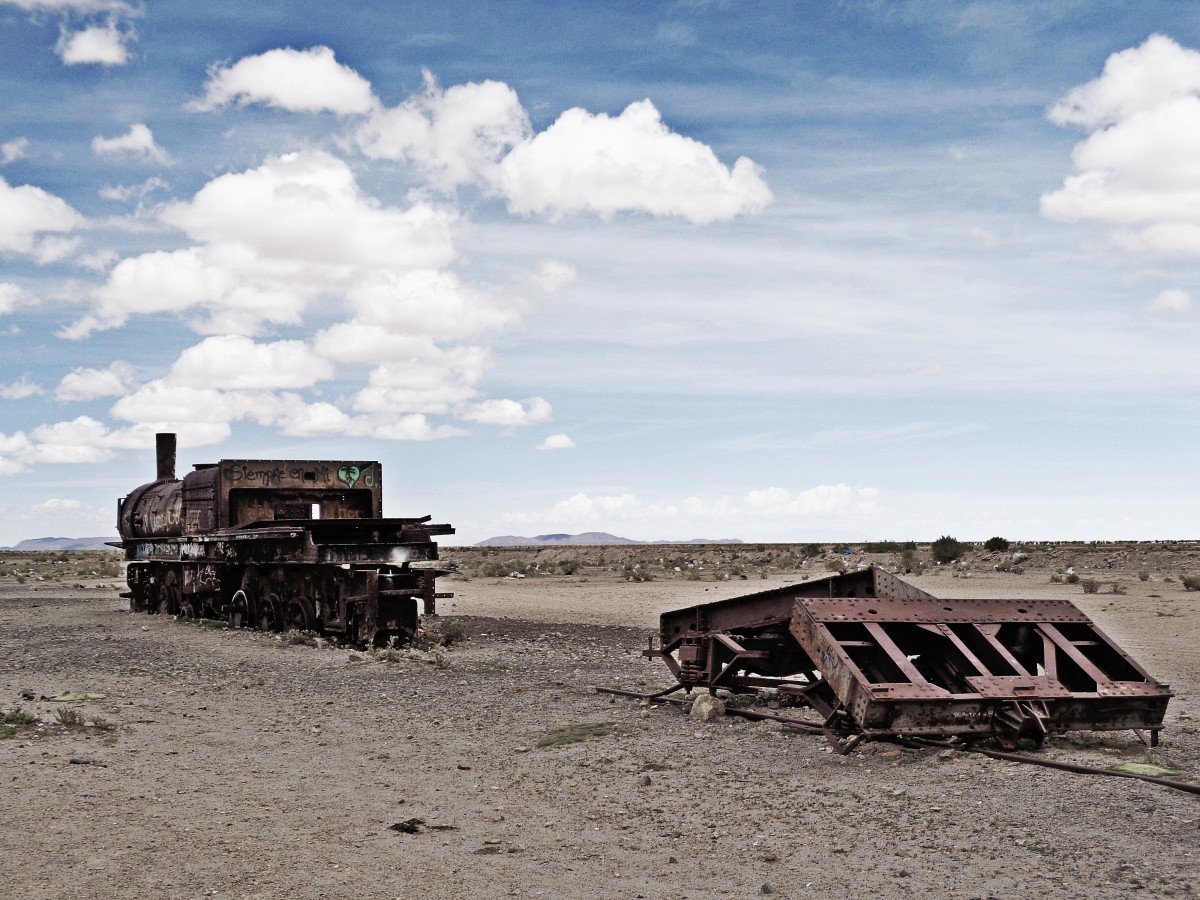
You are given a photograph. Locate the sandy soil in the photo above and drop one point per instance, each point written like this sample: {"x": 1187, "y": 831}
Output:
{"x": 238, "y": 765}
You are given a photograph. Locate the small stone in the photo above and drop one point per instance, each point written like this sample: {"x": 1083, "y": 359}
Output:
{"x": 644, "y": 781}
{"x": 766, "y": 889}
{"x": 520, "y": 749}
{"x": 672, "y": 860}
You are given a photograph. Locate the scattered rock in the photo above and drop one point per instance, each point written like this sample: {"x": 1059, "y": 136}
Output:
{"x": 706, "y": 707}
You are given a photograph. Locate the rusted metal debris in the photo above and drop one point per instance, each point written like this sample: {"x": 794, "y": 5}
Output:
{"x": 278, "y": 544}
{"x": 876, "y": 657}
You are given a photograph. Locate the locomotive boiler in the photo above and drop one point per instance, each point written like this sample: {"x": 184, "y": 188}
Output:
{"x": 278, "y": 544}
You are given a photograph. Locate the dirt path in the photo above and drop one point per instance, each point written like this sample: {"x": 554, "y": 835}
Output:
{"x": 241, "y": 766}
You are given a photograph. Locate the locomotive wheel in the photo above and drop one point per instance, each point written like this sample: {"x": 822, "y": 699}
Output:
{"x": 168, "y": 595}
{"x": 270, "y": 613}
{"x": 238, "y": 610}
{"x": 300, "y": 614}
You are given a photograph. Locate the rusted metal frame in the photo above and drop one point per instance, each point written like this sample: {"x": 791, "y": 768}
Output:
{"x": 898, "y": 656}
{"x": 990, "y": 635}
{"x": 839, "y": 649}
{"x": 1069, "y": 648}
{"x": 728, "y": 673}
{"x": 1152, "y": 741}
{"x": 962, "y": 648}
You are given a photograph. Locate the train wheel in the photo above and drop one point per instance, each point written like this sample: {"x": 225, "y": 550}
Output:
{"x": 168, "y": 595}
{"x": 270, "y": 613}
{"x": 238, "y": 610}
{"x": 300, "y": 614}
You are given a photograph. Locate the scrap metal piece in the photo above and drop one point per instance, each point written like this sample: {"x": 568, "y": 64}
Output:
{"x": 879, "y": 657}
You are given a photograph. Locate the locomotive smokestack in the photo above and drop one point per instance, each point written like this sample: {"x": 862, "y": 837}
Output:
{"x": 165, "y": 446}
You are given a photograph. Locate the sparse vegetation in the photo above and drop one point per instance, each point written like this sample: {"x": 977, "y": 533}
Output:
{"x": 1071, "y": 578}
{"x": 18, "y": 716}
{"x": 1190, "y": 582}
{"x": 888, "y": 546}
{"x": 996, "y": 543}
{"x": 6, "y": 731}
{"x": 1090, "y": 586}
{"x": 451, "y": 633}
{"x": 947, "y": 549}
{"x": 835, "y": 565}
{"x": 102, "y": 724}
{"x": 1118, "y": 588}
{"x": 1143, "y": 575}
{"x": 69, "y": 716}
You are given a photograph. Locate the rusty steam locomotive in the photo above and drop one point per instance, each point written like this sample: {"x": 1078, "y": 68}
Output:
{"x": 278, "y": 544}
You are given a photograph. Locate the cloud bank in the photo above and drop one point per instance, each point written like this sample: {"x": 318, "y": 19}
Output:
{"x": 1139, "y": 167}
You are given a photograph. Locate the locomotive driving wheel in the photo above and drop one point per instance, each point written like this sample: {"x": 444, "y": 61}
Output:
{"x": 238, "y": 610}
{"x": 300, "y": 614}
{"x": 270, "y": 613}
{"x": 168, "y": 594}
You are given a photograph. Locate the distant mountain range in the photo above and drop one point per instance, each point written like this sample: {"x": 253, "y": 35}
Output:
{"x": 56, "y": 544}
{"x": 586, "y": 539}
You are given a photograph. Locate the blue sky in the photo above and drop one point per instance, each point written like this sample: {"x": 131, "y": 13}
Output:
{"x": 765, "y": 270}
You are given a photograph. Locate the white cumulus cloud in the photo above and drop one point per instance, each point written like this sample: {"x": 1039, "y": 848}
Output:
{"x": 454, "y": 136}
{"x": 30, "y": 219}
{"x": 20, "y": 389}
{"x": 88, "y": 384}
{"x": 307, "y": 81}
{"x": 234, "y": 362}
{"x": 479, "y": 133}
{"x": 1139, "y": 166}
{"x": 604, "y": 164}
{"x": 270, "y": 240}
{"x": 556, "y": 442}
{"x": 11, "y": 151}
{"x": 137, "y": 142}
{"x": 103, "y": 45}
{"x": 509, "y": 413}
{"x": 307, "y": 206}
{"x": 12, "y": 296}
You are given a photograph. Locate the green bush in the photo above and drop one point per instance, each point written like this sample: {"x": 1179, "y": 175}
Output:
{"x": 947, "y": 549}
{"x": 996, "y": 543}
{"x": 1071, "y": 578}
{"x": 1090, "y": 585}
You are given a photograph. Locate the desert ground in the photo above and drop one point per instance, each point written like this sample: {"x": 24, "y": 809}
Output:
{"x": 211, "y": 762}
